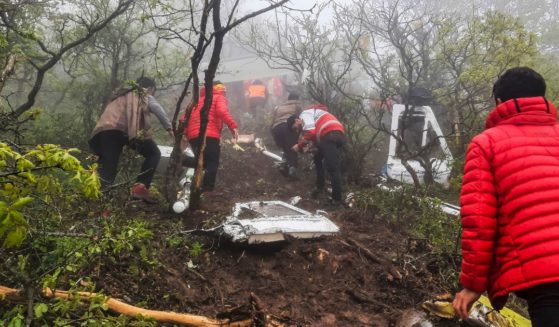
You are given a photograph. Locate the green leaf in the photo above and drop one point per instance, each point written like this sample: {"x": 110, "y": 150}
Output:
{"x": 21, "y": 202}
{"x": 15, "y": 237}
{"x": 40, "y": 309}
{"x": 16, "y": 322}
{"x": 5, "y": 223}
{"x": 29, "y": 176}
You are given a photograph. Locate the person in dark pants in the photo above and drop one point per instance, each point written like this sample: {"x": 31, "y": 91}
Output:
{"x": 509, "y": 202}
{"x": 323, "y": 129}
{"x": 284, "y": 136}
{"x": 211, "y": 160}
{"x": 329, "y": 154}
{"x": 126, "y": 122}
{"x": 217, "y": 116}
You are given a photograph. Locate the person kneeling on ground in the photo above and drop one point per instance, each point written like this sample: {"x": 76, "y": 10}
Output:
{"x": 126, "y": 121}
{"x": 218, "y": 114}
{"x": 510, "y": 202}
{"x": 284, "y": 136}
{"x": 327, "y": 133}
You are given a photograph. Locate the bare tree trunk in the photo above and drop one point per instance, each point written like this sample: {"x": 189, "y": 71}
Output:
{"x": 29, "y": 296}
{"x": 8, "y": 70}
{"x": 175, "y": 161}
{"x": 203, "y": 41}
{"x": 412, "y": 172}
{"x": 196, "y": 188}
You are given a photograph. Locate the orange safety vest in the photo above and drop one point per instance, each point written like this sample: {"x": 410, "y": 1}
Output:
{"x": 257, "y": 91}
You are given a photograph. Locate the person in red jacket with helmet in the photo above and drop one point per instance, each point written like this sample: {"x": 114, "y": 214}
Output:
{"x": 510, "y": 202}
{"x": 327, "y": 133}
{"x": 218, "y": 115}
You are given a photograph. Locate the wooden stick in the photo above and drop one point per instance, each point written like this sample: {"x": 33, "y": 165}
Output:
{"x": 130, "y": 310}
{"x": 376, "y": 259}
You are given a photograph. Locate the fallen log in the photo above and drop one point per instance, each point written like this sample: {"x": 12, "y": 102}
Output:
{"x": 130, "y": 310}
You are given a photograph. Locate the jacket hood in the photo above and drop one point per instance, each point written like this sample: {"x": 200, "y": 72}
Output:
{"x": 217, "y": 89}
{"x": 523, "y": 111}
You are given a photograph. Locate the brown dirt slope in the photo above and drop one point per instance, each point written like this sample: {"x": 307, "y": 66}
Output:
{"x": 328, "y": 282}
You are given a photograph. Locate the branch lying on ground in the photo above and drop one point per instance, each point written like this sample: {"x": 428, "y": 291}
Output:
{"x": 363, "y": 297}
{"x": 120, "y": 307}
{"x": 375, "y": 258}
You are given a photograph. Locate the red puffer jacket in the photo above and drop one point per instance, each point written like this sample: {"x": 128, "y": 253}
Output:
{"x": 510, "y": 201}
{"x": 219, "y": 114}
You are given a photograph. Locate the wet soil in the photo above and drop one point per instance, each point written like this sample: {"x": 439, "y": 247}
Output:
{"x": 365, "y": 276}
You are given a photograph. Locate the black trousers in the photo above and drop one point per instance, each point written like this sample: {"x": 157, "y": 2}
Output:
{"x": 108, "y": 146}
{"x": 543, "y": 304}
{"x": 285, "y": 139}
{"x": 329, "y": 154}
{"x": 211, "y": 160}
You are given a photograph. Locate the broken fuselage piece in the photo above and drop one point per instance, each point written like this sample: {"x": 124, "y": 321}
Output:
{"x": 274, "y": 221}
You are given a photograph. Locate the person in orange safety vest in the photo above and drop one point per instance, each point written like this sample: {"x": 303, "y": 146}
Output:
{"x": 257, "y": 95}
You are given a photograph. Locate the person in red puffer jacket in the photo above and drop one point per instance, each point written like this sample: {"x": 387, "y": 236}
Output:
{"x": 218, "y": 115}
{"x": 510, "y": 202}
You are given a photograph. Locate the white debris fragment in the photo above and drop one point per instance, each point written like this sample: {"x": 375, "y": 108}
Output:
{"x": 294, "y": 200}
{"x": 270, "y": 221}
{"x": 350, "y": 199}
{"x": 413, "y": 318}
{"x": 260, "y": 146}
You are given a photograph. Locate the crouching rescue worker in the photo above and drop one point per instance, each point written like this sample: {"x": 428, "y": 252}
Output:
{"x": 126, "y": 121}
{"x": 218, "y": 114}
{"x": 510, "y": 202}
{"x": 327, "y": 133}
{"x": 284, "y": 136}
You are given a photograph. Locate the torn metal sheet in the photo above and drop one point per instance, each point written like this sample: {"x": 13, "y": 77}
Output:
{"x": 294, "y": 200}
{"x": 166, "y": 155}
{"x": 183, "y": 196}
{"x": 448, "y": 208}
{"x": 270, "y": 221}
{"x": 260, "y": 146}
{"x": 413, "y": 318}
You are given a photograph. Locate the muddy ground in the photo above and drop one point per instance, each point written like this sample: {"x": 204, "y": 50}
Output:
{"x": 327, "y": 282}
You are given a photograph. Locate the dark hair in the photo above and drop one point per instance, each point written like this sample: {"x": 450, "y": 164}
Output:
{"x": 257, "y": 82}
{"x": 291, "y": 121}
{"x": 146, "y": 82}
{"x": 519, "y": 82}
{"x": 293, "y": 96}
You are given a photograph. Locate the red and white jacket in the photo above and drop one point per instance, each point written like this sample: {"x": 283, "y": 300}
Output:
{"x": 318, "y": 122}
{"x": 219, "y": 114}
{"x": 510, "y": 201}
